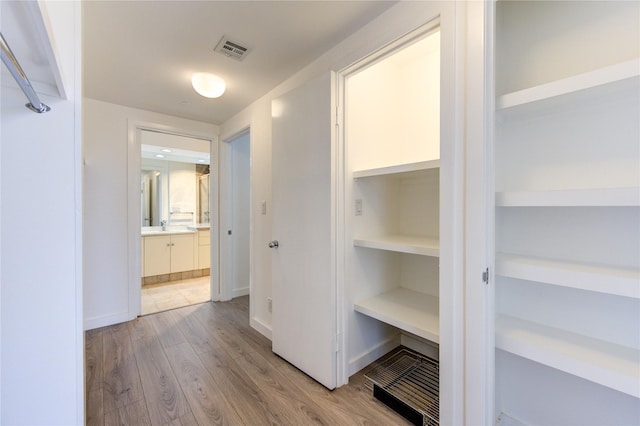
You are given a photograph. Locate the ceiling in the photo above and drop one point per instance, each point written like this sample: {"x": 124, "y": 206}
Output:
{"x": 141, "y": 54}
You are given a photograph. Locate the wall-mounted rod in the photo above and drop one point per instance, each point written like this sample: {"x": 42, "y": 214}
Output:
{"x": 16, "y": 71}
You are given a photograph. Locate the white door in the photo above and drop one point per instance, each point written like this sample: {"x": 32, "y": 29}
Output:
{"x": 304, "y": 278}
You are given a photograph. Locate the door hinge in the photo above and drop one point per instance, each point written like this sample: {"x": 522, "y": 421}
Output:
{"x": 485, "y": 276}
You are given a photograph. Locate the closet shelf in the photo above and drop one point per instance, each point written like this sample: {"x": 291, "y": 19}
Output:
{"x": 398, "y": 169}
{"x": 607, "y": 364}
{"x": 402, "y": 244}
{"x": 623, "y": 75}
{"x": 603, "y": 279}
{"x": 597, "y": 197}
{"x": 409, "y": 310}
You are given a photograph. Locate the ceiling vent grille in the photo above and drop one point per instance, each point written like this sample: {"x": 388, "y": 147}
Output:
{"x": 231, "y": 49}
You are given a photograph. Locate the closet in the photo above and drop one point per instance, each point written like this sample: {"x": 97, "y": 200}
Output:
{"x": 393, "y": 209}
{"x": 567, "y": 213}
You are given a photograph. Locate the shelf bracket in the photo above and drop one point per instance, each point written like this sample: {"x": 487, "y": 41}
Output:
{"x": 485, "y": 276}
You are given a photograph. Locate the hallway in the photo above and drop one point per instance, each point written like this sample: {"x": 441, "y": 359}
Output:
{"x": 204, "y": 364}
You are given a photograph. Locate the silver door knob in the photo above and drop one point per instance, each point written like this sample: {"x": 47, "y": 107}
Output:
{"x": 273, "y": 244}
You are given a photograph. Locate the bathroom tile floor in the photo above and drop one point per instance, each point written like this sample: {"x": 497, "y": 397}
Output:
{"x": 175, "y": 294}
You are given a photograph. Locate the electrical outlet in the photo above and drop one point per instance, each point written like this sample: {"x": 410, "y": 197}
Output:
{"x": 269, "y": 304}
{"x": 358, "y": 207}
{"x": 263, "y": 207}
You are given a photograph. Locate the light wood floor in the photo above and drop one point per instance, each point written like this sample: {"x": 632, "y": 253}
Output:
{"x": 204, "y": 365}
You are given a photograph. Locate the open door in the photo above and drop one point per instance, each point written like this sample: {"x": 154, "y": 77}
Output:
{"x": 304, "y": 243}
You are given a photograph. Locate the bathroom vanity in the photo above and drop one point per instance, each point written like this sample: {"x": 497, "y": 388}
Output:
{"x": 175, "y": 253}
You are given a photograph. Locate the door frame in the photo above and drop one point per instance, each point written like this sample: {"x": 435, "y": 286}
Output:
{"x": 134, "y": 238}
{"x": 226, "y": 216}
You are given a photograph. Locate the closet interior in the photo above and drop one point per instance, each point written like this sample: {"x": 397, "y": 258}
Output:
{"x": 567, "y": 216}
{"x": 392, "y": 134}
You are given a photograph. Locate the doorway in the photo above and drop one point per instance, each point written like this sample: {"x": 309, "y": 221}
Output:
{"x": 236, "y": 216}
{"x": 173, "y": 219}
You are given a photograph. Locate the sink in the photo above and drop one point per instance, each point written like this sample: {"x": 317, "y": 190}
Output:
{"x": 157, "y": 230}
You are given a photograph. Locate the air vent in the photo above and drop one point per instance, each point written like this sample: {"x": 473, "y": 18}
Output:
{"x": 231, "y": 49}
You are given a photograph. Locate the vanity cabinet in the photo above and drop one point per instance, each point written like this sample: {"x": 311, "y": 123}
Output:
{"x": 204, "y": 249}
{"x": 164, "y": 254}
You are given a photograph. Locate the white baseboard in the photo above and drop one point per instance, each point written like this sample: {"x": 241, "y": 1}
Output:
{"x": 238, "y": 292}
{"x": 422, "y": 346}
{"x": 261, "y": 327}
{"x": 105, "y": 320}
{"x": 362, "y": 360}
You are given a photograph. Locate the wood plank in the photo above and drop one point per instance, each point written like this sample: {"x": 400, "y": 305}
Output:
{"x": 165, "y": 400}
{"x": 352, "y": 404}
{"x": 286, "y": 396}
{"x": 206, "y": 398}
{"x": 193, "y": 331}
{"x": 235, "y": 379}
{"x": 132, "y": 414}
{"x": 121, "y": 378}
{"x": 186, "y": 420}
{"x": 93, "y": 360}
{"x": 94, "y": 378}
{"x": 167, "y": 329}
{"x": 253, "y": 406}
{"x": 94, "y": 409}
{"x": 223, "y": 331}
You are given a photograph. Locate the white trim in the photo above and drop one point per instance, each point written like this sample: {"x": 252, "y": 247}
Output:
{"x": 79, "y": 202}
{"x": 261, "y": 327}
{"x": 361, "y": 360}
{"x": 479, "y": 209}
{"x": 105, "y": 320}
{"x": 133, "y": 207}
{"x": 42, "y": 28}
{"x": 452, "y": 351}
{"x": 239, "y": 292}
{"x": 227, "y": 272}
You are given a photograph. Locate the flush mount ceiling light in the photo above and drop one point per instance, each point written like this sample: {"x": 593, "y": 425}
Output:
{"x": 208, "y": 85}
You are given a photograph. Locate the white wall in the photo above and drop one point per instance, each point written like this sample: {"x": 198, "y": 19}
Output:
{"x": 106, "y": 259}
{"x": 395, "y": 22}
{"x": 182, "y": 193}
{"x": 41, "y": 336}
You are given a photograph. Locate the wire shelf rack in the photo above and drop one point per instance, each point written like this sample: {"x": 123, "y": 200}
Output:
{"x": 408, "y": 382}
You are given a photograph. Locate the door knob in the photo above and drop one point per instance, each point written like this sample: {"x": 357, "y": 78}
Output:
{"x": 273, "y": 244}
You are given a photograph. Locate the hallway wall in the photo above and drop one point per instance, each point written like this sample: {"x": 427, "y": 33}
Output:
{"x": 106, "y": 257}
{"x": 41, "y": 338}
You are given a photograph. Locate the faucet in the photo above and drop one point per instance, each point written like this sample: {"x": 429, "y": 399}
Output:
{"x": 163, "y": 223}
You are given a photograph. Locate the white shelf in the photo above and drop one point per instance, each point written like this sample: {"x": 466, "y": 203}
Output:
{"x": 607, "y": 364}
{"x": 402, "y": 244}
{"x": 626, "y": 73}
{"x": 397, "y": 169}
{"x": 602, "y": 279}
{"x": 599, "y": 197}
{"x": 409, "y": 310}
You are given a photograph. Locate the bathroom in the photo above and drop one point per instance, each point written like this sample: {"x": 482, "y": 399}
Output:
{"x": 175, "y": 220}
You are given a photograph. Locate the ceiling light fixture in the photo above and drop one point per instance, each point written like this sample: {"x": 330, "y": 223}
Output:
{"x": 166, "y": 150}
{"x": 208, "y": 85}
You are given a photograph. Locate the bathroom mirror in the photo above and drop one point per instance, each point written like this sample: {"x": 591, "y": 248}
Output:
{"x": 174, "y": 186}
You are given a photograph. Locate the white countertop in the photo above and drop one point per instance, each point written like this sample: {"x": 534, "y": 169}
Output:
{"x": 147, "y": 231}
